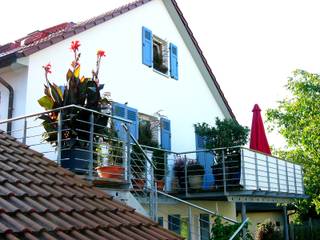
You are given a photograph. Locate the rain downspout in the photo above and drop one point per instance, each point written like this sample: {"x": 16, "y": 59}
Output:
{"x": 10, "y": 105}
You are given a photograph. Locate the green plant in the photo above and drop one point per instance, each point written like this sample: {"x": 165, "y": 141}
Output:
{"x": 84, "y": 92}
{"x": 268, "y": 231}
{"x": 223, "y": 231}
{"x": 194, "y": 169}
{"x": 225, "y": 133}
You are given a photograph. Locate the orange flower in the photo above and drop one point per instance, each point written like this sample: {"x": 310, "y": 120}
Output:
{"x": 101, "y": 53}
{"x": 47, "y": 68}
{"x": 75, "y": 45}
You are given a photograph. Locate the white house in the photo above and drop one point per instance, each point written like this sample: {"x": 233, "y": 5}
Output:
{"x": 153, "y": 65}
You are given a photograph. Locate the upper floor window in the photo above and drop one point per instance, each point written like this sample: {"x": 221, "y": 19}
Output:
{"x": 158, "y": 54}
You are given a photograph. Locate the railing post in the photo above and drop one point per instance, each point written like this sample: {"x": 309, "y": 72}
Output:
{"x": 295, "y": 180}
{"x": 256, "y": 170}
{"x": 59, "y": 138}
{"x": 166, "y": 171}
{"x": 24, "y": 137}
{"x": 268, "y": 174}
{"x": 224, "y": 174}
{"x": 287, "y": 179}
{"x": 127, "y": 164}
{"x": 90, "y": 168}
{"x": 243, "y": 168}
{"x": 190, "y": 223}
{"x": 278, "y": 175}
{"x": 186, "y": 175}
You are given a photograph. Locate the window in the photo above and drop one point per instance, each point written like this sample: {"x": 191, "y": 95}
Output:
{"x": 174, "y": 223}
{"x": 160, "y": 55}
{"x": 160, "y": 221}
{"x": 156, "y": 52}
{"x": 204, "y": 227}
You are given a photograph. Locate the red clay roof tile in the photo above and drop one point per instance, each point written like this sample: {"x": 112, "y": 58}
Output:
{"x": 40, "y": 200}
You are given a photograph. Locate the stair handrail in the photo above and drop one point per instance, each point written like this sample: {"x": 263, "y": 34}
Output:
{"x": 243, "y": 224}
{"x": 139, "y": 146}
{"x": 196, "y": 206}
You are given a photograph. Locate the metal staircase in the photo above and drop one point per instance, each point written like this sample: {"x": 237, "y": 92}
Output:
{"x": 137, "y": 184}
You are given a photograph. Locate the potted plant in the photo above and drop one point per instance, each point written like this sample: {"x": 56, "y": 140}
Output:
{"x": 179, "y": 169}
{"x": 84, "y": 92}
{"x": 195, "y": 172}
{"x": 225, "y": 134}
{"x": 158, "y": 158}
{"x": 109, "y": 161}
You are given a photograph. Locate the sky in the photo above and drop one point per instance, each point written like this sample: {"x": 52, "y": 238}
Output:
{"x": 252, "y": 46}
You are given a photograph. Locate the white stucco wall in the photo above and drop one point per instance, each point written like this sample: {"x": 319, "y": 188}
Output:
{"x": 16, "y": 76}
{"x": 185, "y": 102}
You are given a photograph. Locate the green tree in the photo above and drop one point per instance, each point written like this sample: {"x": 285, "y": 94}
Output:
{"x": 297, "y": 118}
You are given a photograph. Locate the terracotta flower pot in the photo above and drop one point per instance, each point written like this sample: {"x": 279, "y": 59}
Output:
{"x": 138, "y": 183}
{"x": 160, "y": 185}
{"x": 115, "y": 172}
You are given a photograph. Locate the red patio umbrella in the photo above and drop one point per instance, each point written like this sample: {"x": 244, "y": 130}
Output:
{"x": 258, "y": 139}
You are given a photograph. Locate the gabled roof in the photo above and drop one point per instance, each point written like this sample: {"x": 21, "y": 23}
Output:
{"x": 40, "y": 200}
{"x": 41, "y": 39}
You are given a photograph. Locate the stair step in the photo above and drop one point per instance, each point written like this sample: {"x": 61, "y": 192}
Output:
{"x": 111, "y": 183}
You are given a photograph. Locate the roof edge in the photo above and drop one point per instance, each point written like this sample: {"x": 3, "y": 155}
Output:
{"x": 185, "y": 23}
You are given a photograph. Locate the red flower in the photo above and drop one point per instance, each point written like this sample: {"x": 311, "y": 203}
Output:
{"x": 101, "y": 53}
{"x": 75, "y": 45}
{"x": 47, "y": 68}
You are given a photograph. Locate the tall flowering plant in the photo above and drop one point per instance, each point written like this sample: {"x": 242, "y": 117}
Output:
{"x": 81, "y": 91}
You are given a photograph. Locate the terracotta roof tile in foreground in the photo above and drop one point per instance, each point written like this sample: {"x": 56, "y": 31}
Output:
{"x": 40, "y": 200}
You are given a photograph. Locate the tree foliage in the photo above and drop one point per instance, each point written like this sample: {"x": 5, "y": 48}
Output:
{"x": 225, "y": 133}
{"x": 297, "y": 118}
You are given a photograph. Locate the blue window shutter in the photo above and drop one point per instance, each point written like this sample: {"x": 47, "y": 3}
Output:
{"x": 132, "y": 115}
{"x": 165, "y": 133}
{"x": 206, "y": 160}
{"x": 173, "y": 61}
{"x": 119, "y": 110}
{"x": 147, "y": 48}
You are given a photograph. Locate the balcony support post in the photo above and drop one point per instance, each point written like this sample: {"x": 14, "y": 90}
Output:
{"x": 243, "y": 217}
{"x": 285, "y": 226}
{"x": 190, "y": 223}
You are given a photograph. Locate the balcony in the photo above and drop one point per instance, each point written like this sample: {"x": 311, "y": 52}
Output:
{"x": 236, "y": 174}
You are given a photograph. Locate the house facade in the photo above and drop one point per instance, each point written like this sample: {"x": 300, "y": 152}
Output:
{"x": 154, "y": 70}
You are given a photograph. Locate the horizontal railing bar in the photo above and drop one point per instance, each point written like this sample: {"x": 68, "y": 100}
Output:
{"x": 63, "y": 108}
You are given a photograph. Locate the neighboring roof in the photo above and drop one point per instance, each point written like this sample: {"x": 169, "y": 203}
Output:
{"x": 40, "y": 200}
{"x": 41, "y": 39}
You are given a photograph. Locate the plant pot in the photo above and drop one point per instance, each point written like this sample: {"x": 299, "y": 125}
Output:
{"x": 160, "y": 185}
{"x": 195, "y": 182}
{"x": 138, "y": 183}
{"x": 76, "y": 160}
{"x": 115, "y": 172}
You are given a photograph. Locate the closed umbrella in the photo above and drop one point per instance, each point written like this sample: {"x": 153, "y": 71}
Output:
{"x": 258, "y": 139}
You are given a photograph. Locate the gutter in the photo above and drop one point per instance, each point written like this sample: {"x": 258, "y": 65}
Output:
{"x": 10, "y": 104}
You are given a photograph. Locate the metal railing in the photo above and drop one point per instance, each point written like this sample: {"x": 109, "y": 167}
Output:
{"x": 82, "y": 140}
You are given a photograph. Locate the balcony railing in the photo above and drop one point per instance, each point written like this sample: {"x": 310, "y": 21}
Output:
{"x": 228, "y": 171}
{"x": 225, "y": 171}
